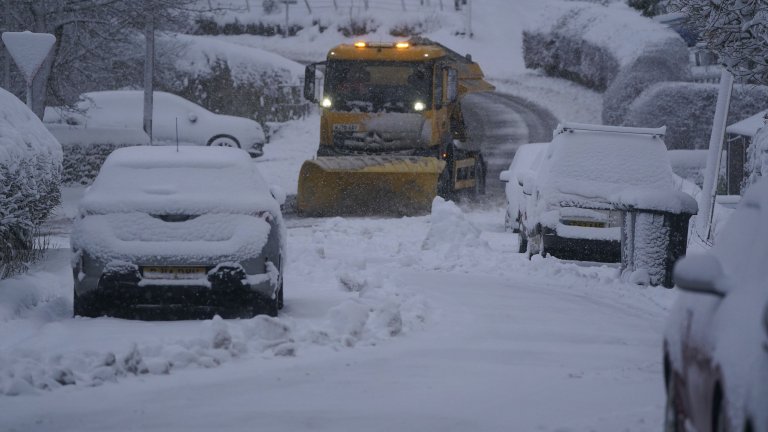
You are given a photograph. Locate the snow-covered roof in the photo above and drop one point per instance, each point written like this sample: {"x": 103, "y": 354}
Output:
{"x": 187, "y": 180}
{"x": 749, "y": 126}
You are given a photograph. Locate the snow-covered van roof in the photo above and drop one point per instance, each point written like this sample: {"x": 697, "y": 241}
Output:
{"x": 187, "y": 180}
{"x": 749, "y": 126}
{"x": 591, "y": 162}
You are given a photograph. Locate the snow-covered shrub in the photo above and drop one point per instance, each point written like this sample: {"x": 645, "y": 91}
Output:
{"x": 30, "y": 171}
{"x": 687, "y": 110}
{"x": 590, "y": 43}
{"x": 666, "y": 62}
{"x": 231, "y": 79}
{"x": 569, "y": 58}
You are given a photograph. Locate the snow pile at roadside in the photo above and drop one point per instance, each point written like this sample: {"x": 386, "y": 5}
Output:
{"x": 449, "y": 228}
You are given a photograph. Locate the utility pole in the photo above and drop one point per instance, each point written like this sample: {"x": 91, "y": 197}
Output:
{"x": 709, "y": 188}
{"x": 149, "y": 66}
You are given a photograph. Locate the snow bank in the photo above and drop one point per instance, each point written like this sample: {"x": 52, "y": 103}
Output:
{"x": 450, "y": 229}
{"x": 30, "y": 171}
{"x": 687, "y": 110}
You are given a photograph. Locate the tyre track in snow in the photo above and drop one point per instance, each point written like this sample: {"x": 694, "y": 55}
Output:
{"x": 502, "y": 123}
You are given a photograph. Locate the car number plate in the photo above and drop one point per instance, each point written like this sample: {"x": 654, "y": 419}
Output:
{"x": 156, "y": 272}
{"x": 346, "y": 127}
{"x": 587, "y": 224}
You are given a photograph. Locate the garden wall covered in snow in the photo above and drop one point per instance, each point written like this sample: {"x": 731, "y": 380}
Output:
{"x": 30, "y": 171}
{"x": 687, "y": 110}
{"x": 591, "y": 44}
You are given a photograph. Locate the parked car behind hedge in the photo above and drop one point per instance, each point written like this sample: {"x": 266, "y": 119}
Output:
{"x": 193, "y": 231}
{"x": 570, "y": 213}
{"x": 196, "y": 125}
{"x": 716, "y": 341}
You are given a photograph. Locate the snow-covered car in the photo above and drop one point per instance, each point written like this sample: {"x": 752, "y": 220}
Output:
{"x": 525, "y": 163}
{"x": 195, "y": 230}
{"x": 716, "y": 340}
{"x": 570, "y": 212}
{"x": 121, "y": 109}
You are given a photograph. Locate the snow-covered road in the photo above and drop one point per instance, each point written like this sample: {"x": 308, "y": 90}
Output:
{"x": 389, "y": 324}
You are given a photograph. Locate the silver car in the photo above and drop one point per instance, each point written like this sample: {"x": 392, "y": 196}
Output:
{"x": 179, "y": 232}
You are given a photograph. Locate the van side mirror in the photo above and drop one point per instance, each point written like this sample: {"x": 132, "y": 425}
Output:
{"x": 699, "y": 273}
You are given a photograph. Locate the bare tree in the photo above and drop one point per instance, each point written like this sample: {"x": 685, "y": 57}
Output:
{"x": 94, "y": 40}
{"x": 735, "y": 29}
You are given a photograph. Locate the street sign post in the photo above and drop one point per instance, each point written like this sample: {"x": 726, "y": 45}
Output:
{"x": 29, "y": 51}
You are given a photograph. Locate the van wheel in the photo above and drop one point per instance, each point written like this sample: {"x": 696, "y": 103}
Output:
{"x": 673, "y": 419}
{"x": 522, "y": 241}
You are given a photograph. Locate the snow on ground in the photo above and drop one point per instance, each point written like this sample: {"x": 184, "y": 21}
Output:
{"x": 405, "y": 329}
{"x": 289, "y": 146}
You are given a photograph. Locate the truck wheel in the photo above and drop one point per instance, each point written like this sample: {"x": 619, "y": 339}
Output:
{"x": 479, "y": 176}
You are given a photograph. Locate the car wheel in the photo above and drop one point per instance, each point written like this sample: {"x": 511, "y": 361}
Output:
{"x": 522, "y": 241}
{"x": 223, "y": 141}
{"x": 720, "y": 419}
{"x": 84, "y": 307}
{"x": 674, "y": 421}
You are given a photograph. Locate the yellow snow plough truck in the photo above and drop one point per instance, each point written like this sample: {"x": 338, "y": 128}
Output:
{"x": 392, "y": 135}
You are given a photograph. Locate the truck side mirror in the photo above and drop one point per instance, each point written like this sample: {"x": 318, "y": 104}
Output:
{"x": 309, "y": 82}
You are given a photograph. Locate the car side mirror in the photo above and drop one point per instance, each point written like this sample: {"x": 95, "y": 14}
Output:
{"x": 505, "y": 176}
{"x": 699, "y": 273}
{"x": 278, "y": 194}
{"x": 192, "y": 117}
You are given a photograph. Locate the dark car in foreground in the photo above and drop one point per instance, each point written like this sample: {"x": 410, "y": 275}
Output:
{"x": 716, "y": 341}
{"x": 178, "y": 231}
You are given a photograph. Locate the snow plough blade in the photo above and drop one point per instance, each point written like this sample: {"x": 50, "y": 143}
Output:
{"x": 368, "y": 185}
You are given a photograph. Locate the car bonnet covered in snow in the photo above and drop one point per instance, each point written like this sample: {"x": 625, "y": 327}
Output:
{"x": 160, "y": 202}
{"x": 585, "y": 167}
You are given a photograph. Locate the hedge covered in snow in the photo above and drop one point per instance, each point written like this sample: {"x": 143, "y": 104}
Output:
{"x": 86, "y": 149}
{"x": 590, "y": 43}
{"x": 232, "y": 79}
{"x": 660, "y": 63}
{"x": 30, "y": 174}
{"x": 687, "y": 110}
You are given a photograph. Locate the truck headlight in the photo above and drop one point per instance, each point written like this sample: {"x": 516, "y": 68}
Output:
{"x": 419, "y": 106}
{"x": 326, "y": 102}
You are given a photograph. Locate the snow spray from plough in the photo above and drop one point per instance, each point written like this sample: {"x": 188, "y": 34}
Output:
{"x": 392, "y": 135}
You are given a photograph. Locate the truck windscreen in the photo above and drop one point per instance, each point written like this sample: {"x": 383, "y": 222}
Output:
{"x": 378, "y": 86}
